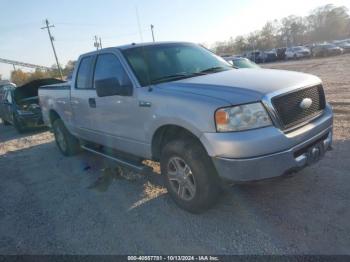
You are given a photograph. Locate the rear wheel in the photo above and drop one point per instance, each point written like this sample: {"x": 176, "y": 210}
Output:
{"x": 66, "y": 142}
{"x": 190, "y": 176}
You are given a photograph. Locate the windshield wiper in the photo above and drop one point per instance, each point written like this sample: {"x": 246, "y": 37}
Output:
{"x": 213, "y": 69}
{"x": 169, "y": 77}
{"x": 176, "y": 76}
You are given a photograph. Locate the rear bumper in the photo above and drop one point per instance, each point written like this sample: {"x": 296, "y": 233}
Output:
{"x": 272, "y": 165}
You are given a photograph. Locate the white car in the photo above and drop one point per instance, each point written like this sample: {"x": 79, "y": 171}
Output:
{"x": 297, "y": 52}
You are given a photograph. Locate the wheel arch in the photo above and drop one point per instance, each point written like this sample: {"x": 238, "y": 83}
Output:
{"x": 53, "y": 115}
{"x": 167, "y": 133}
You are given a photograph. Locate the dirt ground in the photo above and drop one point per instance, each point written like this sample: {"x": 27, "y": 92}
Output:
{"x": 50, "y": 204}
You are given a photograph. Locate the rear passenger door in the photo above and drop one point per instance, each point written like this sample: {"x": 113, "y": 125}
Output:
{"x": 82, "y": 98}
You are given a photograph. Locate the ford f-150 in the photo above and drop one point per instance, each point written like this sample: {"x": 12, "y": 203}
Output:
{"x": 207, "y": 123}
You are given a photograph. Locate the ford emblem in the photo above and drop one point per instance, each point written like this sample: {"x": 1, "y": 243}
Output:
{"x": 305, "y": 103}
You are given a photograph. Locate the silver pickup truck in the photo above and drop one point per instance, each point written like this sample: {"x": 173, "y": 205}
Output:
{"x": 207, "y": 123}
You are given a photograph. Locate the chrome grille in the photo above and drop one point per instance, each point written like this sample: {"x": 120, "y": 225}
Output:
{"x": 288, "y": 107}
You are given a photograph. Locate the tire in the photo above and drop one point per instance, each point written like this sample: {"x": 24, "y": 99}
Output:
{"x": 66, "y": 142}
{"x": 18, "y": 126}
{"x": 186, "y": 161}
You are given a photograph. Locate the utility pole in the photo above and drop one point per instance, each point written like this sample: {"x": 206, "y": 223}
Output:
{"x": 98, "y": 42}
{"x": 152, "y": 26}
{"x": 48, "y": 26}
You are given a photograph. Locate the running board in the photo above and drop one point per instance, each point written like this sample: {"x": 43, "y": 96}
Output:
{"x": 138, "y": 167}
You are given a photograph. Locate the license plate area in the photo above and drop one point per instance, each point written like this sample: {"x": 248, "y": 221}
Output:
{"x": 315, "y": 153}
{"x": 312, "y": 153}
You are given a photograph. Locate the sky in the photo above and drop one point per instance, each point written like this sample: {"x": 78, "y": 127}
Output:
{"x": 120, "y": 22}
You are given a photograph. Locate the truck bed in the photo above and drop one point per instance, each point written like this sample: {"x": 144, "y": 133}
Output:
{"x": 55, "y": 97}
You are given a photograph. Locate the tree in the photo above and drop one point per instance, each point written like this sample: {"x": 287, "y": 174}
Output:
{"x": 19, "y": 77}
{"x": 268, "y": 36}
{"x": 329, "y": 23}
{"x": 325, "y": 23}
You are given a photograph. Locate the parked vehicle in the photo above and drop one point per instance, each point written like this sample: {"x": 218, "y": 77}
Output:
{"x": 255, "y": 56}
{"x": 269, "y": 56}
{"x": 241, "y": 62}
{"x": 4, "y": 85}
{"x": 345, "y": 45}
{"x": 207, "y": 123}
{"x": 20, "y": 106}
{"x": 326, "y": 50}
{"x": 281, "y": 53}
{"x": 297, "y": 52}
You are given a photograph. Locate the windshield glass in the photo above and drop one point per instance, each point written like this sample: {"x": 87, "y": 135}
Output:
{"x": 168, "y": 62}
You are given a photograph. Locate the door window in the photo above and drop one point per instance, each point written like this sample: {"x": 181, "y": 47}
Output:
{"x": 109, "y": 66}
{"x": 9, "y": 97}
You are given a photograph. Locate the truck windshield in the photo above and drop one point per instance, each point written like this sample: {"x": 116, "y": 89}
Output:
{"x": 169, "y": 62}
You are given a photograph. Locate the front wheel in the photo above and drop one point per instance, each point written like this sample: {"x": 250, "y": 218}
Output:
{"x": 190, "y": 176}
{"x": 66, "y": 142}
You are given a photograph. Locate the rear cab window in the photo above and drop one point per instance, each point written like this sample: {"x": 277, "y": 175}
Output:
{"x": 84, "y": 79}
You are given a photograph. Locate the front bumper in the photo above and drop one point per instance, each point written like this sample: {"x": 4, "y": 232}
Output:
{"x": 268, "y": 166}
{"x": 31, "y": 120}
{"x": 266, "y": 152}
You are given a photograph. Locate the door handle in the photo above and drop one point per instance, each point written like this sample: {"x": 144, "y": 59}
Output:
{"x": 92, "y": 102}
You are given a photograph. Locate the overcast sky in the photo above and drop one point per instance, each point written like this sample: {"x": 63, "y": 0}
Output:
{"x": 76, "y": 22}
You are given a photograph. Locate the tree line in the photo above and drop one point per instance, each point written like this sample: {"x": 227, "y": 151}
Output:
{"x": 325, "y": 23}
{"x": 19, "y": 77}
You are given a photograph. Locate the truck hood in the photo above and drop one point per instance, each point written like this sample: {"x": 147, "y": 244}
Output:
{"x": 242, "y": 85}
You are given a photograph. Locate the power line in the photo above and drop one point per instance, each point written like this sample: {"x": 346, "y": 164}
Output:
{"x": 18, "y": 63}
{"x": 48, "y": 26}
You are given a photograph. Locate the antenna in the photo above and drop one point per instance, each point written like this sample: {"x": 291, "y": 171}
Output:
{"x": 138, "y": 23}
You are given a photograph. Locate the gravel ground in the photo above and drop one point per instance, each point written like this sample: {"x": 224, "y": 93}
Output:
{"x": 50, "y": 204}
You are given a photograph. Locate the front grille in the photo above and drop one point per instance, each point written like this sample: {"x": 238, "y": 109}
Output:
{"x": 288, "y": 107}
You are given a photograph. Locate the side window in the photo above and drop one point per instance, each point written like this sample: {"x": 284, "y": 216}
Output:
{"x": 84, "y": 73}
{"x": 9, "y": 97}
{"x": 109, "y": 66}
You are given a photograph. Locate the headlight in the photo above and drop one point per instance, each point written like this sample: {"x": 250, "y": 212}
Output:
{"x": 241, "y": 117}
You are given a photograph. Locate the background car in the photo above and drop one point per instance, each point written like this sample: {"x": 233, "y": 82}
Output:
{"x": 241, "y": 62}
{"x": 269, "y": 56}
{"x": 4, "y": 85}
{"x": 326, "y": 50}
{"x": 255, "y": 56}
{"x": 20, "y": 106}
{"x": 281, "y": 53}
{"x": 345, "y": 45}
{"x": 297, "y": 52}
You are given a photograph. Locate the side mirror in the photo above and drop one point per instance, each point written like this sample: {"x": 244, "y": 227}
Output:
{"x": 112, "y": 87}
